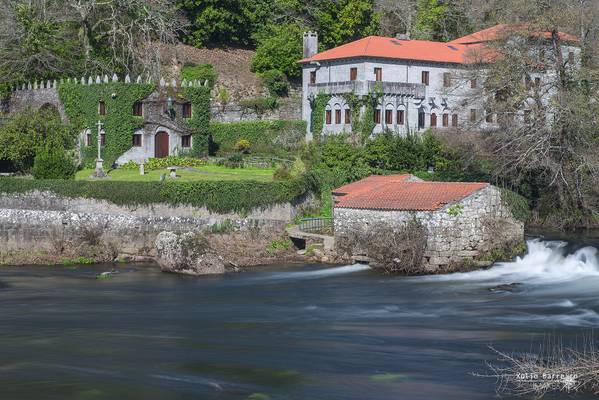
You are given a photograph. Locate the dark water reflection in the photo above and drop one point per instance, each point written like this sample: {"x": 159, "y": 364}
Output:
{"x": 281, "y": 333}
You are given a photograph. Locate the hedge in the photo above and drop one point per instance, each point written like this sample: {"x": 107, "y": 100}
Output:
{"x": 278, "y": 137}
{"x": 217, "y": 196}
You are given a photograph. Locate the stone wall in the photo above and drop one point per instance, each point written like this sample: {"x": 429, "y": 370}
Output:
{"x": 43, "y": 222}
{"x": 483, "y": 225}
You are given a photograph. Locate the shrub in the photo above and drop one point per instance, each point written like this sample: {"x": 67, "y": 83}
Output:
{"x": 234, "y": 161}
{"x": 260, "y": 105}
{"x": 276, "y": 83}
{"x": 279, "y": 138}
{"x": 201, "y": 72}
{"x": 282, "y": 173}
{"x": 216, "y": 196}
{"x": 53, "y": 164}
{"x": 396, "y": 251}
{"x": 243, "y": 146}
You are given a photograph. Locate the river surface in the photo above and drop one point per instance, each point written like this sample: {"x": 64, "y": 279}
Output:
{"x": 289, "y": 332}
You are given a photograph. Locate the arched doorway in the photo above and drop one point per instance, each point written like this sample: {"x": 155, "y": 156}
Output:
{"x": 161, "y": 145}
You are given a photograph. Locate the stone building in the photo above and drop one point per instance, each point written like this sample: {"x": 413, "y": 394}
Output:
{"x": 465, "y": 222}
{"x": 423, "y": 84}
{"x": 164, "y": 132}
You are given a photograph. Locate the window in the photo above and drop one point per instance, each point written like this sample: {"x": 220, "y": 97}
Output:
{"x": 328, "y": 117}
{"x": 400, "y": 117}
{"x": 454, "y": 120}
{"x": 473, "y": 83}
{"x": 186, "y": 141}
{"x": 489, "y": 118}
{"x": 88, "y": 139}
{"x": 137, "y": 140}
{"x": 338, "y": 116}
{"x": 186, "y": 110}
{"x": 377, "y": 116}
{"x": 312, "y": 77}
{"x": 421, "y": 117}
{"x": 425, "y": 77}
{"x": 472, "y": 115}
{"x": 445, "y": 120}
{"x": 353, "y": 74}
{"x": 102, "y": 108}
{"x": 347, "y": 116}
{"x": 388, "y": 117}
{"x": 446, "y": 79}
{"x": 378, "y": 74}
{"x": 102, "y": 139}
{"x": 433, "y": 120}
{"x": 138, "y": 109}
{"x": 571, "y": 58}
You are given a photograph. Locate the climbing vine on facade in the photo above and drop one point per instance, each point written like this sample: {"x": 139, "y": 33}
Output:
{"x": 200, "y": 118}
{"x": 82, "y": 106}
{"x": 318, "y": 104}
{"x": 362, "y": 123}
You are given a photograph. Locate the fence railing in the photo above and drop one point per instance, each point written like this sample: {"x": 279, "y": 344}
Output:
{"x": 323, "y": 226}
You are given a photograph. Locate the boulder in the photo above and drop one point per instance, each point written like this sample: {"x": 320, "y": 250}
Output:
{"x": 187, "y": 253}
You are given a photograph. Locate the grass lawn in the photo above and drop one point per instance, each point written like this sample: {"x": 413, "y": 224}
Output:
{"x": 206, "y": 173}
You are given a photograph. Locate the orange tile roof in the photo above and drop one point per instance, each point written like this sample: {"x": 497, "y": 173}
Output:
{"x": 466, "y": 50}
{"x": 384, "y": 47}
{"x": 502, "y": 30}
{"x": 398, "y": 192}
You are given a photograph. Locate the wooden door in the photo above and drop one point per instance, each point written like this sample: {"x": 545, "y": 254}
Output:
{"x": 161, "y": 145}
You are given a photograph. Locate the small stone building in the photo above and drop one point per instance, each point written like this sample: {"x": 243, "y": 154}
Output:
{"x": 465, "y": 222}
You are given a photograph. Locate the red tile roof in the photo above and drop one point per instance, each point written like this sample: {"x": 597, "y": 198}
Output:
{"x": 399, "y": 192}
{"x": 500, "y": 31}
{"x": 384, "y": 47}
{"x": 466, "y": 50}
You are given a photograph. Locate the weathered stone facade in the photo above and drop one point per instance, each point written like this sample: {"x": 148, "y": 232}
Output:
{"x": 459, "y": 234}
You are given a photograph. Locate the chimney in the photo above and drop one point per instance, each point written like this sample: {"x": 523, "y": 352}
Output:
{"x": 402, "y": 36}
{"x": 310, "y": 44}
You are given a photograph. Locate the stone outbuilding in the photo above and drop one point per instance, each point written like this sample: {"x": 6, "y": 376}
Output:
{"x": 466, "y": 223}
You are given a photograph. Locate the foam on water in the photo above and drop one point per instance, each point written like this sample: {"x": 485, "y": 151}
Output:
{"x": 545, "y": 262}
{"x": 320, "y": 273}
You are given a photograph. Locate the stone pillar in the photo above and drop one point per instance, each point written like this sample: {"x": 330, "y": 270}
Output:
{"x": 142, "y": 169}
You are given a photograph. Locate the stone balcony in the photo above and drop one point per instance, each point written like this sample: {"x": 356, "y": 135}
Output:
{"x": 415, "y": 90}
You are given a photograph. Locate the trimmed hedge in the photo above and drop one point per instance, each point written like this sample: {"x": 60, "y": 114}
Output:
{"x": 217, "y": 196}
{"x": 278, "y": 137}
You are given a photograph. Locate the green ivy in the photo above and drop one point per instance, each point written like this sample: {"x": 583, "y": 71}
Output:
{"x": 81, "y": 107}
{"x": 517, "y": 204}
{"x": 278, "y": 137}
{"x": 362, "y": 123}
{"x": 199, "y": 122}
{"x": 318, "y": 105}
{"x": 217, "y": 196}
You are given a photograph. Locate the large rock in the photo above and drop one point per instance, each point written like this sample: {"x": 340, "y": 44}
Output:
{"x": 187, "y": 253}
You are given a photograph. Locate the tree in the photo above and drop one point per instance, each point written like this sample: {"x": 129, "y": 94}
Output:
{"x": 280, "y": 48}
{"x": 550, "y": 144}
{"x": 439, "y": 20}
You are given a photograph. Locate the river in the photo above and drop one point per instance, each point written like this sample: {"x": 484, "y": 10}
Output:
{"x": 286, "y": 332}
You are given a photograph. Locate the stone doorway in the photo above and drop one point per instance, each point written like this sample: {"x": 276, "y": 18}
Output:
{"x": 161, "y": 145}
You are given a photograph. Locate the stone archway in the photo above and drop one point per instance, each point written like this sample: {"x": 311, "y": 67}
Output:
{"x": 161, "y": 144}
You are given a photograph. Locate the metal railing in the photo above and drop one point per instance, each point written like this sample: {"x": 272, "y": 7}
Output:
{"x": 323, "y": 226}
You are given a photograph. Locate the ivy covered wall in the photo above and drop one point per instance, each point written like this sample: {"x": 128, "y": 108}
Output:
{"x": 199, "y": 123}
{"x": 81, "y": 103}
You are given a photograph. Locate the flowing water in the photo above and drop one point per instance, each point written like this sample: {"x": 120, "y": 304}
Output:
{"x": 288, "y": 332}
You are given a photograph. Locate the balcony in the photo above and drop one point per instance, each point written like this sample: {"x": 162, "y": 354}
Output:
{"x": 364, "y": 87}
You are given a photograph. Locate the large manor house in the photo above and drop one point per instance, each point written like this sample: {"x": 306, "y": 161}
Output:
{"x": 421, "y": 84}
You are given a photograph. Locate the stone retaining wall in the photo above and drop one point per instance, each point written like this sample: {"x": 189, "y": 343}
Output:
{"x": 45, "y": 222}
{"x": 482, "y": 224}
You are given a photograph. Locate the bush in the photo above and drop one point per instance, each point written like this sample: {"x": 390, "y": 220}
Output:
{"x": 282, "y": 173}
{"x": 234, "y": 161}
{"x": 173, "y": 161}
{"x": 276, "y": 83}
{"x": 243, "y": 146}
{"x": 216, "y": 196}
{"x": 260, "y": 105}
{"x": 279, "y": 138}
{"x": 201, "y": 72}
{"x": 53, "y": 164}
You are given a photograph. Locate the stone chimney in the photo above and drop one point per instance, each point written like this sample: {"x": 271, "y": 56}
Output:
{"x": 402, "y": 36}
{"x": 310, "y": 44}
